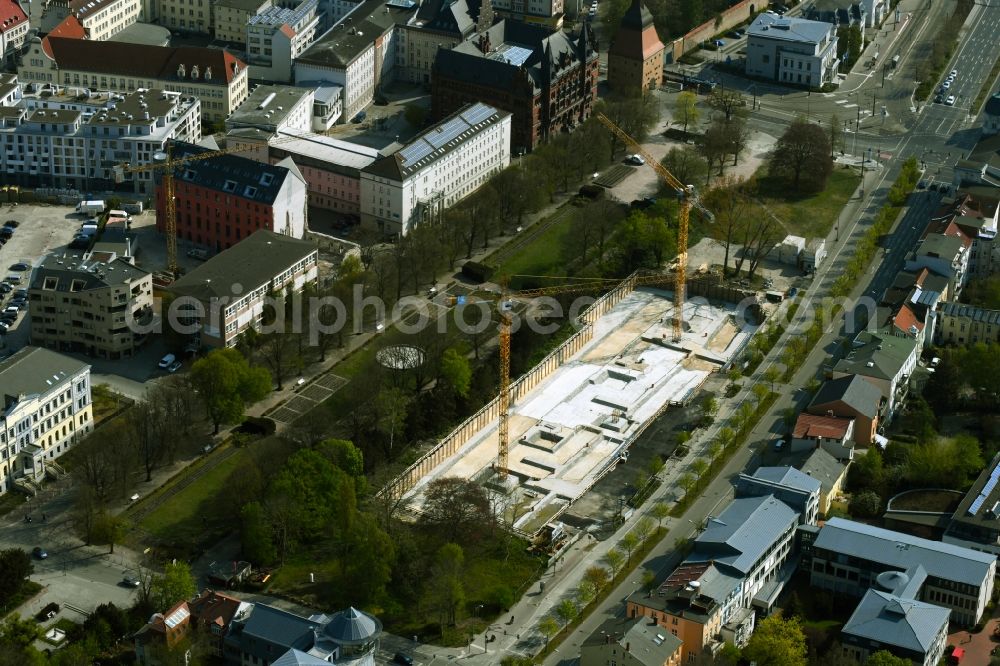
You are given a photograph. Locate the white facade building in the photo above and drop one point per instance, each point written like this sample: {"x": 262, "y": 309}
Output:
{"x": 103, "y": 19}
{"x": 792, "y": 50}
{"x": 440, "y": 167}
{"x": 277, "y": 36}
{"x": 45, "y": 407}
{"x": 74, "y": 137}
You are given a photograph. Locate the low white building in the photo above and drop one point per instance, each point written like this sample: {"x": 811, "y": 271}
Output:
{"x": 14, "y": 27}
{"x": 439, "y": 167}
{"x": 274, "y": 109}
{"x": 72, "y": 137}
{"x": 45, "y": 408}
{"x": 277, "y": 36}
{"x": 263, "y": 263}
{"x": 792, "y": 50}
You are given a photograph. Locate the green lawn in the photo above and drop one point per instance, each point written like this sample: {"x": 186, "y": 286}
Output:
{"x": 812, "y": 215}
{"x": 194, "y": 516}
{"x": 543, "y": 254}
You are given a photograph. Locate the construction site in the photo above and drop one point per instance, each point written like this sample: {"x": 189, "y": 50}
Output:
{"x": 574, "y": 416}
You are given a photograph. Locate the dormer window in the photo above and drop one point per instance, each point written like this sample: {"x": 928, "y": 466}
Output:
{"x": 194, "y": 72}
{"x": 181, "y": 71}
{"x": 267, "y": 179}
{"x": 229, "y": 186}
{"x": 50, "y": 284}
{"x": 250, "y": 191}
{"x": 189, "y": 174}
{"x": 208, "y": 73}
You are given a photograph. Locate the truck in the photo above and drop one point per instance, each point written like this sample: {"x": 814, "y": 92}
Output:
{"x": 133, "y": 208}
{"x": 549, "y": 539}
{"x": 91, "y": 207}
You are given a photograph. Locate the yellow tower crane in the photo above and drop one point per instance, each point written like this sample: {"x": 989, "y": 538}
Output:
{"x": 688, "y": 197}
{"x": 165, "y": 162}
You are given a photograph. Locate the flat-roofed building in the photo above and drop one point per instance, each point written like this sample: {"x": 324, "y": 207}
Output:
{"x": 441, "y": 166}
{"x": 226, "y": 295}
{"x": 95, "y": 304}
{"x": 847, "y": 557}
{"x": 792, "y": 50}
{"x": 46, "y": 408}
{"x": 231, "y": 18}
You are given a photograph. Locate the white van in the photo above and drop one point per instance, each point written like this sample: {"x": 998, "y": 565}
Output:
{"x": 167, "y": 361}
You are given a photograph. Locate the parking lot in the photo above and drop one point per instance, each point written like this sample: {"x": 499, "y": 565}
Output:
{"x": 40, "y": 229}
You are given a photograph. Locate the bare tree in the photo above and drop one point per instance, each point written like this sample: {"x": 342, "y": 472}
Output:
{"x": 802, "y": 156}
{"x": 729, "y": 202}
{"x": 726, "y": 102}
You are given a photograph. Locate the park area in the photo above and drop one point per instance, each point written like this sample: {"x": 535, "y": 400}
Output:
{"x": 810, "y": 215}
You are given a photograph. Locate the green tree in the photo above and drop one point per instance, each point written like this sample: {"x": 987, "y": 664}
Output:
{"x": 415, "y": 115}
{"x": 109, "y": 529}
{"x": 699, "y": 467}
{"x": 630, "y": 542}
{"x": 886, "y": 658}
{"x": 615, "y": 559}
{"x": 866, "y": 504}
{"x": 548, "y": 626}
{"x": 175, "y": 584}
{"x": 597, "y": 576}
{"x": 802, "y": 156}
{"x": 256, "y": 536}
{"x": 567, "y": 610}
{"x": 585, "y": 592}
{"x": 777, "y": 642}
{"x": 866, "y": 472}
{"x": 345, "y": 455}
{"x": 686, "y": 110}
{"x": 771, "y": 375}
{"x": 447, "y": 592}
{"x": 369, "y": 563}
{"x": 456, "y": 371}
{"x": 687, "y": 163}
{"x": 643, "y": 529}
{"x": 15, "y": 567}
{"x": 687, "y": 482}
{"x": 660, "y": 511}
{"x": 226, "y": 383}
{"x": 310, "y": 483}
{"x": 642, "y": 241}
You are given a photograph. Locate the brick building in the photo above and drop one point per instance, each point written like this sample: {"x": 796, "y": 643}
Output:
{"x": 635, "y": 58}
{"x": 221, "y": 201}
{"x": 547, "y": 81}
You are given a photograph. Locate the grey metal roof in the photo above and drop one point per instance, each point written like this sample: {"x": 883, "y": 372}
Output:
{"x": 891, "y": 620}
{"x": 856, "y": 392}
{"x": 298, "y": 658}
{"x": 823, "y": 467}
{"x": 251, "y": 263}
{"x": 902, "y": 551}
{"x": 788, "y": 29}
{"x": 35, "y": 371}
{"x": 887, "y": 353}
{"x": 970, "y": 312}
{"x": 231, "y": 174}
{"x": 352, "y": 626}
{"x": 788, "y": 476}
{"x": 77, "y": 271}
{"x": 437, "y": 141}
{"x": 347, "y": 40}
{"x": 279, "y": 627}
{"x": 743, "y": 532}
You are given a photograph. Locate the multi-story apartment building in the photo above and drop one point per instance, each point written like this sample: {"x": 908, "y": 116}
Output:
{"x": 14, "y": 25}
{"x": 441, "y": 166}
{"x": 226, "y": 295}
{"x": 277, "y": 36}
{"x": 96, "y": 304}
{"x": 887, "y": 361}
{"x": 438, "y": 24}
{"x": 231, "y": 18}
{"x": 548, "y": 13}
{"x": 74, "y": 138}
{"x": 740, "y": 562}
{"x": 976, "y": 521}
{"x": 221, "y": 201}
{"x": 45, "y": 409}
{"x": 946, "y": 255}
{"x": 99, "y": 19}
{"x": 635, "y": 58}
{"x": 792, "y": 50}
{"x": 960, "y": 324}
{"x": 359, "y": 53}
{"x": 548, "y": 81}
{"x": 180, "y": 15}
{"x": 216, "y": 77}
{"x": 796, "y": 489}
{"x": 847, "y": 558}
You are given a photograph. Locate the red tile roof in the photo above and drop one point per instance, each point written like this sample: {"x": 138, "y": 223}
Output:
{"x": 808, "y": 426}
{"x": 141, "y": 60}
{"x": 11, "y": 15}
{"x": 69, "y": 28}
{"x": 906, "y": 318}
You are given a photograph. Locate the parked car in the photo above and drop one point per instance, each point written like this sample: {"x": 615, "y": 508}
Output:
{"x": 174, "y": 367}
{"x": 950, "y": 101}
{"x": 4, "y": 288}
{"x": 953, "y": 74}
{"x": 922, "y": 185}
{"x": 404, "y": 659}
{"x": 720, "y": 43}
{"x": 166, "y": 361}
{"x": 13, "y": 224}
{"x": 6, "y": 232}
{"x": 946, "y": 85}
{"x": 635, "y": 160}
{"x": 130, "y": 580}
{"x": 39, "y": 553}
{"x": 20, "y": 266}
{"x": 779, "y": 445}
